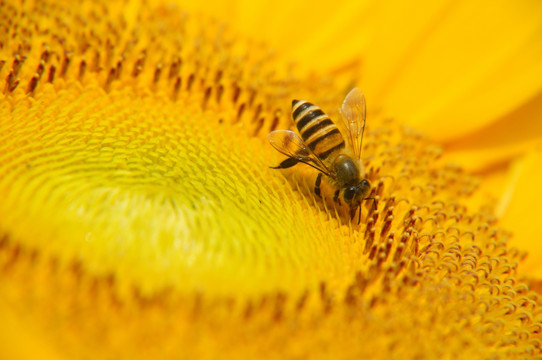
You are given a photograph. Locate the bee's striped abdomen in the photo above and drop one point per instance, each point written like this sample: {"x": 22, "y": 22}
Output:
{"x": 318, "y": 131}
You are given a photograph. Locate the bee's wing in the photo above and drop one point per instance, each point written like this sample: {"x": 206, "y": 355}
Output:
{"x": 290, "y": 144}
{"x": 353, "y": 112}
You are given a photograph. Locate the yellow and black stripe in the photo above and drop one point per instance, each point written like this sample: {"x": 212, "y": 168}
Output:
{"x": 318, "y": 131}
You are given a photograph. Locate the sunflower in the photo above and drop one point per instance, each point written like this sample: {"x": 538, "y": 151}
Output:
{"x": 140, "y": 218}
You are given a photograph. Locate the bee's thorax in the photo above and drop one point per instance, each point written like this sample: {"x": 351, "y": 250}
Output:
{"x": 347, "y": 171}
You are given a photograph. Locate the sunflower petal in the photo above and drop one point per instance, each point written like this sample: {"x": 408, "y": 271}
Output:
{"x": 462, "y": 72}
{"x": 518, "y": 209}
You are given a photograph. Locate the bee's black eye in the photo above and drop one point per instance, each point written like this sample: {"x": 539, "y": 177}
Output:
{"x": 365, "y": 183}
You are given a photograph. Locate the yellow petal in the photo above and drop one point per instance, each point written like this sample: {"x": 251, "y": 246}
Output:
{"x": 473, "y": 64}
{"x": 500, "y": 141}
{"x": 518, "y": 209}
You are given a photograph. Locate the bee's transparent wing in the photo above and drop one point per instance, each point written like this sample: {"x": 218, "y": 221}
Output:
{"x": 290, "y": 144}
{"x": 353, "y": 112}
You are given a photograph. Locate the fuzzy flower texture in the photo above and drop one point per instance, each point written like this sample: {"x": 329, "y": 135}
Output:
{"x": 139, "y": 218}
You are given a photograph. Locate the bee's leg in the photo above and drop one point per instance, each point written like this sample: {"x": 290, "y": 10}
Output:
{"x": 286, "y": 164}
{"x": 336, "y": 197}
{"x": 353, "y": 212}
{"x": 317, "y": 185}
{"x": 374, "y": 201}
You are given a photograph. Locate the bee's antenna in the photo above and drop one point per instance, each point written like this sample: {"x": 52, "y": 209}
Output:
{"x": 374, "y": 206}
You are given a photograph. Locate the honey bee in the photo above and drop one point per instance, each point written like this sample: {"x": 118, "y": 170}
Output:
{"x": 323, "y": 147}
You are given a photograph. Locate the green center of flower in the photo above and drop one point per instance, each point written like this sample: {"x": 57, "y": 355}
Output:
{"x": 157, "y": 196}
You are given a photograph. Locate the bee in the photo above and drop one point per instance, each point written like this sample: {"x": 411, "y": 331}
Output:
{"x": 323, "y": 147}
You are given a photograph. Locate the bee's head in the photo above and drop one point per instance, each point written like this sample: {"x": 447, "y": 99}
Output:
{"x": 354, "y": 195}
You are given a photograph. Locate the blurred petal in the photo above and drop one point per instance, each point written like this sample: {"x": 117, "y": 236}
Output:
{"x": 463, "y": 72}
{"x": 519, "y": 209}
{"x": 501, "y": 141}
